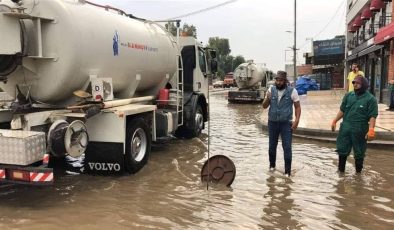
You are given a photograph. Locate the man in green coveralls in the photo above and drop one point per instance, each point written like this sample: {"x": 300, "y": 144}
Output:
{"x": 359, "y": 110}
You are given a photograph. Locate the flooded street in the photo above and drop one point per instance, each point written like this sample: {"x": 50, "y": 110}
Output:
{"x": 168, "y": 193}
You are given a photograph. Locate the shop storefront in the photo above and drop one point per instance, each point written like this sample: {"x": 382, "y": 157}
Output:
{"x": 384, "y": 37}
{"x": 328, "y": 56}
{"x": 363, "y": 48}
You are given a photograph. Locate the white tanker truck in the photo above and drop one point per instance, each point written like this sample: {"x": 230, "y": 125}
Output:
{"x": 251, "y": 79}
{"x": 90, "y": 80}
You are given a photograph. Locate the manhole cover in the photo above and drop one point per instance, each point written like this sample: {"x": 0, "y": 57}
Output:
{"x": 218, "y": 169}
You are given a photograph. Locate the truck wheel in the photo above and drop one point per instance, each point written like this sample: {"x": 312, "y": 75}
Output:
{"x": 198, "y": 122}
{"x": 138, "y": 145}
{"x": 198, "y": 125}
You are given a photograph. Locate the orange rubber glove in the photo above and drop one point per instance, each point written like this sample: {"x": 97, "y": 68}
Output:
{"x": 333, "y": 125}
{"x": 371, "y": 134}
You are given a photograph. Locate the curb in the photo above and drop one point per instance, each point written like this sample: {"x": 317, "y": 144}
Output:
{"x": 384, "y": 139}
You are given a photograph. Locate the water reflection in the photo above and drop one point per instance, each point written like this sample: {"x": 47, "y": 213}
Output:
{"x": 280, "y": 207}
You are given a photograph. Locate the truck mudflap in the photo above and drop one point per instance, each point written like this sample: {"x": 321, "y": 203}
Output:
{"x": 244, "y": 97}
{"x": 33, "y": 175}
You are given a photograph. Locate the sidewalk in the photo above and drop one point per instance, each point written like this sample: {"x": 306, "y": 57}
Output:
{"x": 319, "y": 109}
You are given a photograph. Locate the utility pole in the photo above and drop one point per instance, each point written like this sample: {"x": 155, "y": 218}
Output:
{"x": 295, "y": 42}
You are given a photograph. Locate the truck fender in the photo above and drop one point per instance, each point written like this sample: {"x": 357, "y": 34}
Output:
{"x": 190, "y": 128}
{"x": 191, "y": 107}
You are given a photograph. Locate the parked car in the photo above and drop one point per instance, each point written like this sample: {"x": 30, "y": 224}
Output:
{"x": 218, "y": 84}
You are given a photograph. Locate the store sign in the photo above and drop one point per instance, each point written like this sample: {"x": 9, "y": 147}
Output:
{"x": 329, "y": 47}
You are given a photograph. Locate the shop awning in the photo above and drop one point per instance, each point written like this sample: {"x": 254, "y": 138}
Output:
{"x": 366, "y": 14}
{"x": 351, "y": 29}
{"x": 370, "y": 49}
{"x": 376, "y": 5}
{"x": 357, "y": 22}
{"x": 385, "y": 34}
{"x": 351, "y": 57}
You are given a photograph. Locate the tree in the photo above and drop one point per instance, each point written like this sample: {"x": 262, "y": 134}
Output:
{"x": 226, "y": 62}
{"x": 230, "y": 63}
{"x": 170, "y": 26}
{"x": 221, "y": 45}
{"x": 239, "y": 59}
{"x": 187, "y": 30}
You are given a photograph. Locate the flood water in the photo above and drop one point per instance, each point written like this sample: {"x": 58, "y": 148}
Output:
{"x": 168, "y": 193}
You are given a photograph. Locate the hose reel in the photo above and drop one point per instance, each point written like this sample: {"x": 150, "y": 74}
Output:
{"x": 65, "y": 138}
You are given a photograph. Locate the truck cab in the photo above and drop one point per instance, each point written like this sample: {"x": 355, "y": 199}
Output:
{"x": 198, "y": 67}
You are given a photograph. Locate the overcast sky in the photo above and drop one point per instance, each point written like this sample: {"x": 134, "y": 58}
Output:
{"x": 256, "y": 29}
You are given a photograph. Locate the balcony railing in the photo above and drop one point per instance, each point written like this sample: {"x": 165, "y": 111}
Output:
{"x": 384, "y": 20}
{"x": 353, "y": 43}
{"x": 361, "y": 37}
{"x": 369, "y": 32}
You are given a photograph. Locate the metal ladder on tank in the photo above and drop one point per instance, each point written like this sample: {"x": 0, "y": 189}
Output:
{"x": 179, "y": 90}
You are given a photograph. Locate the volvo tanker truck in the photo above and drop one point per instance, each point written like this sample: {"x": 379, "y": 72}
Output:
{"x": 93, "y": 82}
{"x": 251, "y": 79}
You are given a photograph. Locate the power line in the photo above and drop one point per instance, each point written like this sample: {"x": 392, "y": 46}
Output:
{"x": 325, "y": 27}
{"x": 332, "y": 18}
{"x": 203, "y": 10}
{"x": 341, "y": 26}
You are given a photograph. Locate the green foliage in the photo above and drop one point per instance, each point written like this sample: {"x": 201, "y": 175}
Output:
{"x": 222, "y": 46}
{"x": 187, "y": 30}
{"x": 226, "y": 62}
{"x": 239, "y": 59}
{"x": 220, "y": 74}
{"x": 171, "y": 28}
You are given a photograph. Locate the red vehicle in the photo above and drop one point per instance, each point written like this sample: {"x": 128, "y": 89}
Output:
{"x": 229, "y": 80}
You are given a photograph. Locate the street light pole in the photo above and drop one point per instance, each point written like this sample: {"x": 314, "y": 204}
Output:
{"x": 295, "y": 42}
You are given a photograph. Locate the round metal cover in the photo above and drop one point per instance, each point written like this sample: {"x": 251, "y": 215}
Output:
{"x": 76, "y": 138}
{"x": 220, "y": 170}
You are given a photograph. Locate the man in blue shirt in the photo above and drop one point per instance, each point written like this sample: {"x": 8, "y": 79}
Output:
{"x": 280, "y": 99}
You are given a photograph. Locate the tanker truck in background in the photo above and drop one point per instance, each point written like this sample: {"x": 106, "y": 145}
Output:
{"x": 252, "y": 80}
{"x": 92, "y": 82}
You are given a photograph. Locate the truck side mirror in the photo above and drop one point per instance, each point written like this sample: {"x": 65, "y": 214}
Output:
{"x": 212, "y": 53}
{"x": 214, "y": 66}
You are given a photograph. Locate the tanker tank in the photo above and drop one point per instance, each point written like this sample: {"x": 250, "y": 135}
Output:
{"x": 251, "y": 79}
{"x": 249, "y": 75}
{"x": 53, "y": 48}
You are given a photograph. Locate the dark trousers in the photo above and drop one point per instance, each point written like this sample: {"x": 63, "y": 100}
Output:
{"x": 284, "y": 130}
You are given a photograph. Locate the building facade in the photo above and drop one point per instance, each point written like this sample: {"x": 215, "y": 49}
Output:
{"x": 369, "y": 39}
{"x": 327, "y": 60}
{"x": 325, "y": 63}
